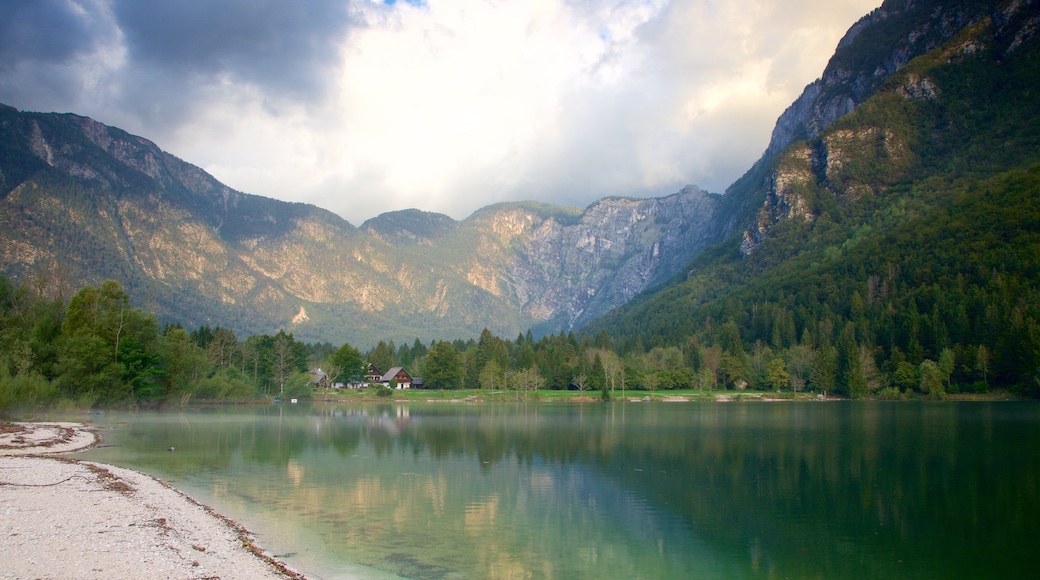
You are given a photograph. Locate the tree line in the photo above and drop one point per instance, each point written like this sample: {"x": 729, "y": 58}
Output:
{"x": 95, "y": 349}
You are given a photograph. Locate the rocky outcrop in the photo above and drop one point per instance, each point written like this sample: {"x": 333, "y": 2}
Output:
{"x": 872, "y": 50}
{"x": 564, "y": 275}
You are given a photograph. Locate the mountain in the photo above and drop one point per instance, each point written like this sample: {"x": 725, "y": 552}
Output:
{"x": 81, "y": 202}
{"x": 893, "y": 222}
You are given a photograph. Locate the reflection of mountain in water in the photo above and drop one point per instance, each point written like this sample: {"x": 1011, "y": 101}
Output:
{"x": 792, "y": 489}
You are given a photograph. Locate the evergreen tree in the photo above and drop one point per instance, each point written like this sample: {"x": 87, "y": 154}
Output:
{"x": 443, "y": 368}
{"x": 382, "y": 357}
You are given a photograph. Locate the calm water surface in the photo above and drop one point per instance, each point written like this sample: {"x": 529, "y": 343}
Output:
{"x": 697, "y": 490}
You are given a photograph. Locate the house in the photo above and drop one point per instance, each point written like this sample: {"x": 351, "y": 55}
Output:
{"x": 319, "y": 379}
{"x": 404, "y": 380}
{"x": 373, "y": 374}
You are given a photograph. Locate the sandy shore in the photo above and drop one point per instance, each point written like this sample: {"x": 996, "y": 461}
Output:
{"x": 62, "y": 518}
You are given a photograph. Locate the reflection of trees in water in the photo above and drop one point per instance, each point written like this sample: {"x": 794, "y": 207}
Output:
{"x": 935, "y": 486}
{"x": 877, "y": 483}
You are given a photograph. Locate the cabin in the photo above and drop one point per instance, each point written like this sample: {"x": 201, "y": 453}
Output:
{"x": 404, "y": 380}
{"x": 319, "y": 379}
{"x": 373, "y": 374}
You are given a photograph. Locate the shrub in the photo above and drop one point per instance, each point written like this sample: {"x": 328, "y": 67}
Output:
{"x": 30, "y": 390}
{"x": 889, "y": 394}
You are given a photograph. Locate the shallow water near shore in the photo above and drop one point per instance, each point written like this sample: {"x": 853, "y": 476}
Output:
{"x": 622, "y": 490}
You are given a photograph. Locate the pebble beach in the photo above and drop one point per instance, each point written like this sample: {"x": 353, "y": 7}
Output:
{"x": 64, "y": 518}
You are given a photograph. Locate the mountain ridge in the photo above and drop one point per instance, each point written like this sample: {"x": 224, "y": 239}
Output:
{"x": 86, "y": 201}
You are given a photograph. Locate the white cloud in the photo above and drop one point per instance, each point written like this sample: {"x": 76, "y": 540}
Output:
{"x": 450, "y": 106}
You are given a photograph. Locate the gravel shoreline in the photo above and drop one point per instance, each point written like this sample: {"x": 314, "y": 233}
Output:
{"x": 63, "y": 518}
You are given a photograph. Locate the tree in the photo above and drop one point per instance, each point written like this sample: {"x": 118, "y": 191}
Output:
{"x": 906, "y": 376}
{"x": 824, "y": 368}
{"x": 418, "y": 350}
{"x": 288, "y": 358}
{"x": 253, "y": 350}
{"x": 932, "y": 380}
{"x": 869, "y": 370}
{"x": 947, "y": 363}
{"x": 799, "y": 364}
{"x": 490, "y": 376}
{"x": 349, "y": 362}
{"x": 761, "y": 356}
{"x": 491, "y": 348}
{"x": 730, "y": 340}
{"x": 332, "y": 372}
{"x": 982, "y": 362}
{"x": 849, "y": 371}
{"x": 581, "y": 380}
{"x": 776, "y": 374}
{"x": 222, "y": 347}
{"x": 443, "y": 369}
{"x": 527, "y": 380}
{"x": 712, "y": 359}
{"x": 298, "y": 385}
{"x": 734, "y": 370}
{"x": 382, "y": 356}
{"x": 651, "y": 380}
{"x": 185, "y": 364}
{"x": 109, "y": 350}
{"x": 612, "y": 368}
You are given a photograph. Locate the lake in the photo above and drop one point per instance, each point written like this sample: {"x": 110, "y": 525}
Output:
{"x": 618, "y": 490}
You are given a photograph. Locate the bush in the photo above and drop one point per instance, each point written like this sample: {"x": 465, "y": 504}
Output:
{"x": 889, "y": 394}
{"x": 29, "y": 390}
{"x": 226, "y": 385}
{"x": 975, "y": 387}
{"x": 299, "y": 386}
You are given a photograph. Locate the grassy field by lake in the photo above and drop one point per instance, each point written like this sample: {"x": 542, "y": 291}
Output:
{"x": 574, "y": 396}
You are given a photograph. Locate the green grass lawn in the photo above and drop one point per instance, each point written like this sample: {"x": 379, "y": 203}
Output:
{"x": 477, "y": 395}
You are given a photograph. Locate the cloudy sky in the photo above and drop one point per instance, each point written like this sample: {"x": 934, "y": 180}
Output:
{"x": 363, "y": 107}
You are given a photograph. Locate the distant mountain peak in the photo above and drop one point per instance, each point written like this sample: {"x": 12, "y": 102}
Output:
{"x": 410, "y": 226}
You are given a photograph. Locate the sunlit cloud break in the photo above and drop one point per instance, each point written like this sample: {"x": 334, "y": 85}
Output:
{"x": 364, "y": 107}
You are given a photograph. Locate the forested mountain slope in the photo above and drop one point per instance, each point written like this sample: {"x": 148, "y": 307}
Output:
{"x": 902, "y": 238}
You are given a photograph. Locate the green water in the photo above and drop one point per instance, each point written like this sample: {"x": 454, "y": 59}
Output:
{"x": 636, "y": 490}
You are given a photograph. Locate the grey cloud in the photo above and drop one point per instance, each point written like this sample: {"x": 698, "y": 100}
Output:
{"x": 148, "y": 63}
{"x": 281, "y": 46}
{"x": 43, "y": 31}
{"x": 42, "y": 48}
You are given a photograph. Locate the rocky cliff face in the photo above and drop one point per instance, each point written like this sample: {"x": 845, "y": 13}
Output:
{"x": 567, "y": 274}
{"x": 872, "y": 50}
{"x": 804, "y": 161}
{"x": 92, "y": 202}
